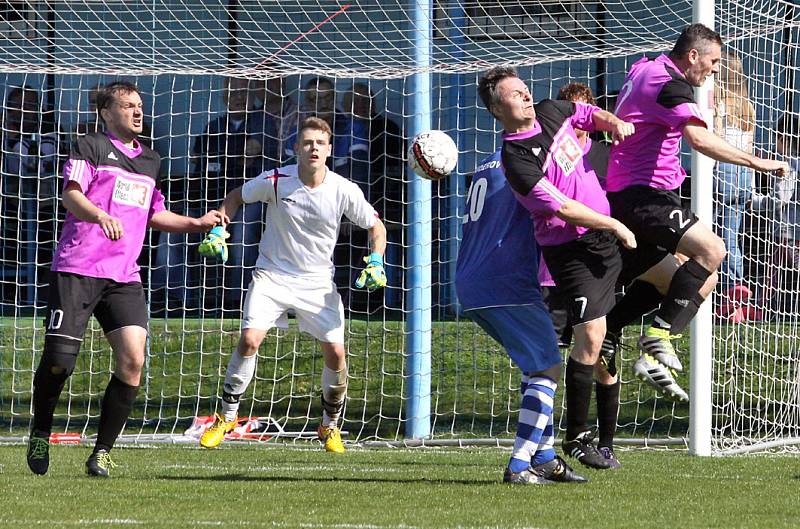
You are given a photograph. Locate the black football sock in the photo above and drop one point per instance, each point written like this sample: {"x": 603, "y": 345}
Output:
{"x": 639, "y": 299}
{"x": 685, "y": 316}
{"x": 607, "y": 410}
{"x": 47, "y": 389}
{"x": 685, "y": 285}
{"x": 578, "y": 383}
{"x": 117, "y": 404}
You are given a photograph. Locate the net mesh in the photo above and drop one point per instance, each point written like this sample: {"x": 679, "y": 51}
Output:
{"x": 193, "y": 60}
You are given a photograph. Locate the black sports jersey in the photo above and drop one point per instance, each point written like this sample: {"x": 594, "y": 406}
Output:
{"x": 545, "y": 168}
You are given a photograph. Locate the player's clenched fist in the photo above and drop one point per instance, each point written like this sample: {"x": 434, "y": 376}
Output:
{"x": 626, "y": 236}
{"x": 622, "y": 130}
{"x": 214, "y": 244}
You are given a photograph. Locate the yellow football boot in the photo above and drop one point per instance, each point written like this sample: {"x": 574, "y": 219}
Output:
{"x": 332, "y": 438}
{"x": 216, "y": 433}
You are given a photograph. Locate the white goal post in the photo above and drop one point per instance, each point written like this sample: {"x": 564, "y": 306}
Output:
{"x": 418, "y": 371}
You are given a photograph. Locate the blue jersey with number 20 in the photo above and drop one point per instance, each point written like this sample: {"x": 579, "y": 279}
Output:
{"x": 498, "y": 258}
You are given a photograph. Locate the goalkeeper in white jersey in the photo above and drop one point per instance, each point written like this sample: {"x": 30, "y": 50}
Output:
{"x": 294, "y": 271}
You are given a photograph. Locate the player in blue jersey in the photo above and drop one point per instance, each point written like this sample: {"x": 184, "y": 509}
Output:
{"x": 496, "y": 283}
{"x": 543, "y": 162}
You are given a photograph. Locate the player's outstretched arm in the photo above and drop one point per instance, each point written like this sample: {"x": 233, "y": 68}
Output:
{"x": 608, "y": 122}
{"x": 174, "y": 223}
{"x": 579, "y": 214}
{"x": 377, "y": 237}
{"x": 76, "y": 203}
{"x": 708, "y": 143}
{"x": 214, "y": 245}
{"x": 373, "y": 276}
{"x": 232, "y": 202}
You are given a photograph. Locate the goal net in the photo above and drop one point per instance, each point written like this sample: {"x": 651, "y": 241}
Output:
{"x": 224, "y": 84}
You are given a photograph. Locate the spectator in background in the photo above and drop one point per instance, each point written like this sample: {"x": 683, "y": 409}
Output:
{"x": 353, "y": 137}
{"x": 91, "y": 124}
{"x": 31, "y": 145}
{"x": 31, "y": 152}
{"x": 280, "y": 116}
{"x": 783, "y": 294}
{"x": 319, "y": 100}
{"x": 234, "y": 146}
{"x": 734, "y": 122}
{"x": 371, "y": 152}
{"x": 351, "y": 153}
{"x": 385, "y": 144}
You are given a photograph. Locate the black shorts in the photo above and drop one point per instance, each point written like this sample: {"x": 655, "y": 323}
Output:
{"x": 585, "y": 272}
{"x": 657, "y": 218}
{"x": 74, "y": 298}
{"x": 557, "y": 306}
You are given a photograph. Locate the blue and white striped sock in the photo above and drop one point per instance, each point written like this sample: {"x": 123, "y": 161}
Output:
{"x": 545, "y": 452}
{"x": 535, "y": 416}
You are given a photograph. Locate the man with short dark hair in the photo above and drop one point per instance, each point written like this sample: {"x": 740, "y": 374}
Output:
{"x": 235, "y": 145}
{"x": 111, "y": 196}
{"x": 644, "y": 175}
{"x": 543, "y": 162}
{"x": 294, "y": 271}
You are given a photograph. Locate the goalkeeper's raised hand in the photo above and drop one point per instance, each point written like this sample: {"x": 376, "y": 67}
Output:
{"x": 214, "y": 244}
{"x": 373, "y": 276}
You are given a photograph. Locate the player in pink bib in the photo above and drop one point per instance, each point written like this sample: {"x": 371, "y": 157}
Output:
{"x": 111, "y": 196}
{"x": 644, "y": 174}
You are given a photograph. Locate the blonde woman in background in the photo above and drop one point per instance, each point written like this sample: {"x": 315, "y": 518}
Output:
{"x": 734, "y": 122}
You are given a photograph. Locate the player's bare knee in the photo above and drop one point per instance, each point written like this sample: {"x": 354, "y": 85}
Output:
{"x": 585, "y": 354}
{"x": 717, "y": 253}
{"x": 129, "y": 368}
{"x": 249, "y": 343}
{"x": 595, "y": 334}
{"x": 335, "y": 355}
{"x": 553, "y": 372}
{"x": 712, "y": 254}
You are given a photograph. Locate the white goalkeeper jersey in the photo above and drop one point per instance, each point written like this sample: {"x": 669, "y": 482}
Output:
{"x": 302, "y": 223}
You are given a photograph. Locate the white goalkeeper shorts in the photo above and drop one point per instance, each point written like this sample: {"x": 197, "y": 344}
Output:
{"x": 316, "y": 305}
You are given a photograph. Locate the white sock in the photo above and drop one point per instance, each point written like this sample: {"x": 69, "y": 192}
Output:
{"x": 334, "y": 391}
{"x": 237, "y": 377}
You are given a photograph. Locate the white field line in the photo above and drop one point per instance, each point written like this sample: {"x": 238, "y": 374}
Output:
{"x": 113, "y": 522}
{"x": 278, "y": 467}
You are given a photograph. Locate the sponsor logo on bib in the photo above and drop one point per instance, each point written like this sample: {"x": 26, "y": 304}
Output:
{"x": 131, "y": 193}
{"x": 568, "y": 154}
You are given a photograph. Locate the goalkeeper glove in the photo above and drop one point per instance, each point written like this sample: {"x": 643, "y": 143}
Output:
{"x": 214, "y": 244}
{"x": 373, "y": 276}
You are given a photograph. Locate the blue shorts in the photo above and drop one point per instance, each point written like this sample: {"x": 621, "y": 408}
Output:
{"x": 525, "y": 331}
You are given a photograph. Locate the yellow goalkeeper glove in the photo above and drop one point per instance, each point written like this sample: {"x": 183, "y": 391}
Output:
{"x": 373, "y": 276}
{"x": 214, "y": 244}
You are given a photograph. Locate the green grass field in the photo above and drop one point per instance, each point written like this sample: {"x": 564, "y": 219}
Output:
{"x": 474, "y": 395}
{"x": 474, "y": 387}
{"x": 255, "y": 486}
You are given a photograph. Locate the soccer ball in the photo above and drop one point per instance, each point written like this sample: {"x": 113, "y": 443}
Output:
{"x": 433, "y": 154}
